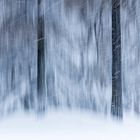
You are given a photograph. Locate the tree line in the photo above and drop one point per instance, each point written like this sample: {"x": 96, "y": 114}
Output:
{"x": 116, "y": 105}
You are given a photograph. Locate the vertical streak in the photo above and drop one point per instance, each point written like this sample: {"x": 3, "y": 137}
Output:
{"x": 116, "y": 107}
{"x": 40, "y": 58}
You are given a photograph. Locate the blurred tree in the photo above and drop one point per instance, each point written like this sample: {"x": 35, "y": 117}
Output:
{"x": 40, "y": 58}
{"x": 116, "y": 107}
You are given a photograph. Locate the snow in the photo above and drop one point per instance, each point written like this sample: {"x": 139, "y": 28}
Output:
{"x": 69, "y": 126}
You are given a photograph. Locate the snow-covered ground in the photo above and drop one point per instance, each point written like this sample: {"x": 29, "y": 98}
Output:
{"x": 69, "y": 126}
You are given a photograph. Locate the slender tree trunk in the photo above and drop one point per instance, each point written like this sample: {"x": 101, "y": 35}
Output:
{"x": 116, "y": 107}
{"x": 40, "y": 58}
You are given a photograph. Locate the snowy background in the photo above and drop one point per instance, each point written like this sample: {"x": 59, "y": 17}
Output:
{"x": 78, "y": 53}
{"x": 68, "y": 125}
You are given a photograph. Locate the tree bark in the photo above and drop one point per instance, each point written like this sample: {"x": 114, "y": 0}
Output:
{"x": 40, "y": 58}
{"x": 116, "y": 107}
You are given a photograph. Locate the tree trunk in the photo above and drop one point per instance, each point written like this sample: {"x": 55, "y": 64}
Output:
{"x": 116, "y": 107}
{"x": 40, "y": 58}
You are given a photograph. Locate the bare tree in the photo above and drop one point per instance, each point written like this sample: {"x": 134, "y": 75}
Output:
{"x": 116, "y": 107}
{"x": 40, "y": 58}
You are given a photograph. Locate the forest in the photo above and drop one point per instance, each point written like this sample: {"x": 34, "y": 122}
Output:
{"x": 69, "y": 69}
{"x": 70, "y": 54}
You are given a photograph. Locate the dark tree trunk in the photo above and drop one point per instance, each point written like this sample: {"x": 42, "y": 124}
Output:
{"x": 116, "y": 107}
{"x": 40, "y": 58}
